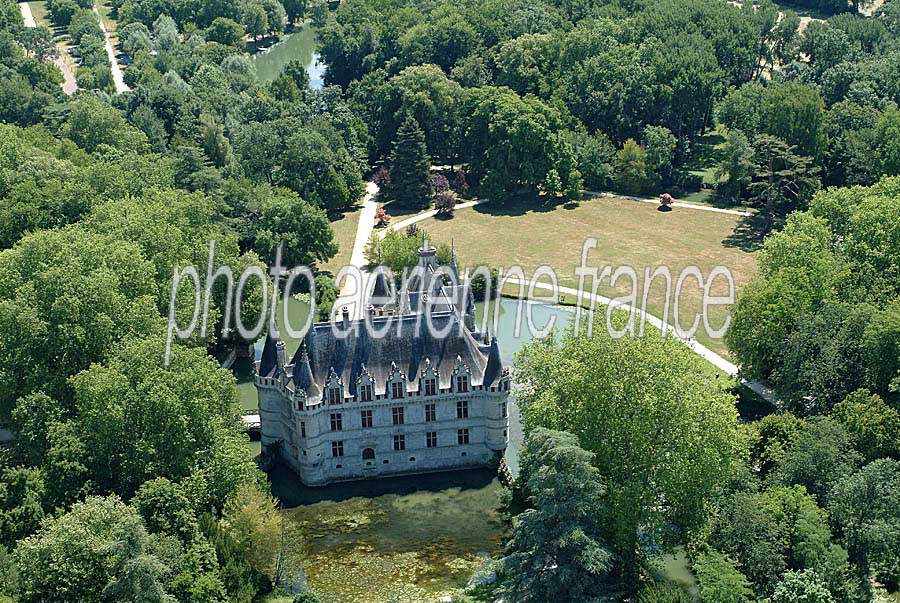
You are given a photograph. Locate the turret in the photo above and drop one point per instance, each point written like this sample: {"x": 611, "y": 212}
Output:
{"x": 427, "y": 254}
{"x": 269, "y": 359}
{"x": 303, "y": 375}
{"x": 494, "y": 367}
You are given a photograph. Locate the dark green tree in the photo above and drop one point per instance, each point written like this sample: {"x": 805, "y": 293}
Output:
{"x": 410, "y": 168}
{"x": 557, "y": 551}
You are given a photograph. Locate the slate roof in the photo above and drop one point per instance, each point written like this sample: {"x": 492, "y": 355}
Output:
{"x": 407, "y": 344}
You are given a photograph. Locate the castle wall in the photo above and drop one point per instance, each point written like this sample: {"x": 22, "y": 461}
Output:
{"x": 311, "y": 457}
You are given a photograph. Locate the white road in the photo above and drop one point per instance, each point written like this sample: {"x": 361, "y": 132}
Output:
{"x": 350, "y": 296}
{"x": 118, "y": 81}
{"x": 69, "y": 84}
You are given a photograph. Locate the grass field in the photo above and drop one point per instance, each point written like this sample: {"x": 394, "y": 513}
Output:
{"x": 628, "y": 233}
{"x": 344, "y": 226}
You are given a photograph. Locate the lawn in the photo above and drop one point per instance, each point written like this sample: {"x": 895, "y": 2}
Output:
{"x": 629, "y": 233}
{"x": 344, "y": 226}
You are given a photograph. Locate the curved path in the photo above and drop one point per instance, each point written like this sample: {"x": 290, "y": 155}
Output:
{"x": 69, "y": 85}
{"x": 716, "y": 360}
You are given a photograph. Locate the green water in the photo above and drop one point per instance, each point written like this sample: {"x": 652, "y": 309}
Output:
{"x": 406, "y": 539}
{"x": 299, "y": 45}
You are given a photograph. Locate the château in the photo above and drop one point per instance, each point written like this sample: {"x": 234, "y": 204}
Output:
{"x": 416, "y": 398}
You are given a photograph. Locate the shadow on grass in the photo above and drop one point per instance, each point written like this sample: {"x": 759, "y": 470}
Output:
{"x": 520, "y": 204}
{"x": 749, "y": 234}
{"x": 286, "y": 486}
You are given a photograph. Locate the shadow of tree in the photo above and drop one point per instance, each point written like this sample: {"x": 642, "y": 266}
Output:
{"x": 748, "y": 234}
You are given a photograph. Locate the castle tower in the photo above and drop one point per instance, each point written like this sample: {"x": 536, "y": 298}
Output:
{"x": 427, "y": 254}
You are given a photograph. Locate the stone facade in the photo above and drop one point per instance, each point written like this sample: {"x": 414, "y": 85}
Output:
{"x": 350, "y": 405}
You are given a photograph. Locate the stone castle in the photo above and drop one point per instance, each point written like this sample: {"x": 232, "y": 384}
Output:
{"x": 352, "y": 406}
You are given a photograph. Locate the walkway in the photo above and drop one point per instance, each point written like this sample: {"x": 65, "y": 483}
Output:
{"x": 349, "y": 295}
{"x": 118, "y": 80}
{"x": 716, "y": 360}
{"x": 69, "y": 85}
{"x": 719, "y": 210}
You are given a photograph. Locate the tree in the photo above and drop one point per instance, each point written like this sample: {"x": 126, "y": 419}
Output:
{"x": 512, "y": 143}
{"x": 631, "y": 167}
{"x": 91, "y": 123}
{"x": 873, "y": 426}
{"x": 108, "y": 292}
{"x": 819, "y": 455}
{"x": 32, "y": 416}
{"x": 557, "y": 549}
{"x": 865, "y": 507}
{"x": 38, "y": 42}
{"x": 771, "y": 532}
{"x": 140, "y": 419}
{"x": 280, "y": 217}
{"x": 660, "y": 145}
{"x": 165, "y": 509}
{"x": 165, "y": 33}
{"x": 659, "y": 431}
{"x": 782, "y": 181}
{"x": 720, "y": 581}
{"x": 410, "y": 170}
{"x": 294, "y": 9}
{"x": 733, "y": 173}
{"x": 802, "y": 587}
{"x": 255, "y": 20}
{"x": 93, "y": 553}
{"x": 276, "y": 18}
{"x": 225, "y": 31}
{"x": 252, "y": 519}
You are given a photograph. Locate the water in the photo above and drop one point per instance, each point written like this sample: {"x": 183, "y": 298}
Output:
{"x": 299, "y": 45}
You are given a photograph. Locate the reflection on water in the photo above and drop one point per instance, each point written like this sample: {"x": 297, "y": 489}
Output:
{"x": 299, "y": 45}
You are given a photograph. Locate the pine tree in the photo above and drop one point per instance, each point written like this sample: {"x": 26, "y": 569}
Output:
{"x": 410, "y": 183}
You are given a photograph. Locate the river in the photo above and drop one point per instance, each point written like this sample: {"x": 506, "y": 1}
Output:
{"x": 298, "y": 45}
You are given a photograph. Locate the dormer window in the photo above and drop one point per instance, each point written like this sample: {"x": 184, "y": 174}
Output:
{"x": 430, "y": 387}
{"x": 396, "y": 389}
{"x": 365, "y": 393}
{"x": 462, "y": 383}
{"x": 334, "y": 395}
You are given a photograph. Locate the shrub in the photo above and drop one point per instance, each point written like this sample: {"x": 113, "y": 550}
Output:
{"x": 445, "y": 202}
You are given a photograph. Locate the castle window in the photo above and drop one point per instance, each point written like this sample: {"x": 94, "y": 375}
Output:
{"x": 397, "y": 390}
{"x": 430, "y": 412}
{"x": 412, "y": 459}
{"x": 431, "y": 439}
{"x": 462, "y": 436}
{"x": 365, "y": 393}
{"x": 462, "y": 383}
{"x": 337, "y": 448}
{"x": 504, "y": 411}
{"x": 399, "y": 442}
{"x": 302, "y": 429}
{"x": 430, "y": 387}
{"x": 462, "y": 410}
{"x": 337, "y": 421}
{"x": 334, "y": 395}
{"x": 397, "y": 415}
{"x": 366, "y": 417}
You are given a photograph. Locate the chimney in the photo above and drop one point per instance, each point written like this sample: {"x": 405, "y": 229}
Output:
{"x": 345, "y": 318}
